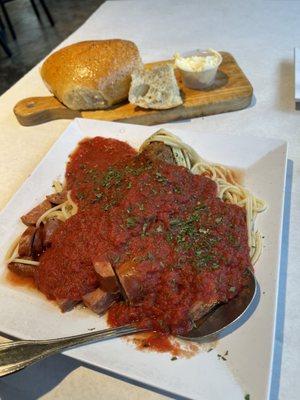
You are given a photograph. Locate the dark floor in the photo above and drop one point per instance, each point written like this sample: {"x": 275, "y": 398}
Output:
{"x": 36, "y": 39}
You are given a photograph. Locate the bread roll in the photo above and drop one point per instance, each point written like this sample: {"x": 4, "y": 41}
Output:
{"x": 93, "y": 74}
{"x": 155, "y": 88}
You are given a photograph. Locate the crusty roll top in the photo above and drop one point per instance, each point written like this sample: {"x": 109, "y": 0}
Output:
{"x": 92, "y": 74}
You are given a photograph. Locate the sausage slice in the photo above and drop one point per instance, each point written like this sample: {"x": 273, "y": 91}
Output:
{"x": 66, "y": 304}
{"x": 131, "y": 282}
{"x": 107, "y": 277}
{"x": 25, "y": 243}
{"x": 25, "y": 270}
{"x": 158, "y": 151}
{"x": 32, "y": 216}
{"x": 49, "y": 228}
{"x": 37, "y": 244}
{"x": 57, "y": 198}
{"x": 100, "y": 301}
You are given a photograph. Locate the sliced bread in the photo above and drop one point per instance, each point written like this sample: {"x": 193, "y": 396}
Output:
{"x": 155, "y": 88}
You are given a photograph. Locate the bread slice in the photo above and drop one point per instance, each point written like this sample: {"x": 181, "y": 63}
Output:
{"x": 92, "y": 75}
{"x": 155, "y": 88}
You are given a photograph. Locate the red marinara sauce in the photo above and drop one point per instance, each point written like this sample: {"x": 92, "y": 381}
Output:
{"x": 185, "y": 247}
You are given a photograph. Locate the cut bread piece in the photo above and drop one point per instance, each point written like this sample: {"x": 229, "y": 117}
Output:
{"x": 155, "y": 88}
{"x": 93, "y": 74}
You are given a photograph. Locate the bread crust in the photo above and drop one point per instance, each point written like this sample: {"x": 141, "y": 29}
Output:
{"x": 92, "y": 74}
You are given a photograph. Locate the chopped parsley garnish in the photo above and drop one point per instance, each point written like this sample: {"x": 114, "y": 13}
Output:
{"x": 204, "y": 231}
{"x": 173, "y": 358}
{"x": 150, "y": 256}
{"x": 112, "y": 177}
{"x": 81, "y": 196}
{"x": 231, "y": 239}
{"x": 200, "y": 207}
{"x": 116, "y": 259}
{"x": 131, "y": 222}
{"x": 177, "y": 190}
{"x": 145, "y": 225}
{"x": 160, "y": 178}
{"x": 108, "y": 206}
{"x": 219, "y": 220}
{"x": 175, "y": 221}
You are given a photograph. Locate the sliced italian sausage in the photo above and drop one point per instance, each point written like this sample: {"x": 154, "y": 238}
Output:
{"x": 130, "y": 281}
{"x": 66, "y": 304}
{"x": 49, "y": 228}
{"x": 25, "y": 243}
{"x": 25, "y": 270}
{"x": 57, "y": 198}
{"x": 100, "y": 301}
{"x": 37, "y": 244}
{"x": 107, "y": 277}
{"x": 32, "y": 216}
{"x": 158, "y": 151}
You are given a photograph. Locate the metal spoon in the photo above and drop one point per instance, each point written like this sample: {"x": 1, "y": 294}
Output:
{"x": 18, "y": 354}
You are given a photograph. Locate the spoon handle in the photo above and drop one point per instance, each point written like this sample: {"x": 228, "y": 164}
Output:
{"x": 18, "y": 354}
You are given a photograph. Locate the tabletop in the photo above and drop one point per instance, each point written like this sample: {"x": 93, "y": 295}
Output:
{"x": 261, "y": 35}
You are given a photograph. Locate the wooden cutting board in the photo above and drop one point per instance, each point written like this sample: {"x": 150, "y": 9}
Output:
{"x": 231, "y": 91}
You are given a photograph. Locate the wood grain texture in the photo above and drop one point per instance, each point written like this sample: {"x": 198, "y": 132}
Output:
{"x": 231, "y": 91}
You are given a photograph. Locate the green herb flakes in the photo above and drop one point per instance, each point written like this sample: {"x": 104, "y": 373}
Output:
{"x": 160, "y": 178}
{"x": 81, "y": 196}
{"x": 144, "y": 229}
{"x": 131, "y": 222}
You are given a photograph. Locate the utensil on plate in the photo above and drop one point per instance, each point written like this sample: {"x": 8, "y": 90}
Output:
{"x": 18, "y": 354}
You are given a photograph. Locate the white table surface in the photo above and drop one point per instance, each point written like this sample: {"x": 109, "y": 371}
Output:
{"x": 261, "y": 35}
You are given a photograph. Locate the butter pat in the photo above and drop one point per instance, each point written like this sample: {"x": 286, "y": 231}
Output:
{"x": 202, "y": 62}
{"x": 199, "y": 68}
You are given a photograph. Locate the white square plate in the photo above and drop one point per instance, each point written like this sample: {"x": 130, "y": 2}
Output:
{"x": 27, "y": 314}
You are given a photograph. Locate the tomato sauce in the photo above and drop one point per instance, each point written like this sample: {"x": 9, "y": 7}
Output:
{"x": 184, "y": 247}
